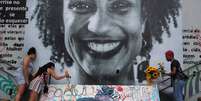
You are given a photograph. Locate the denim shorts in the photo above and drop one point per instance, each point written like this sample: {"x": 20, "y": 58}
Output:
{"x": 20, "y": 78}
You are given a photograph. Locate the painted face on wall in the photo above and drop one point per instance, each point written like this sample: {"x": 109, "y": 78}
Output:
{"x": 103, "y": 36}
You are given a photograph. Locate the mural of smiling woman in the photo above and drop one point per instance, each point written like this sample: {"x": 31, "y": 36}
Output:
{"x": 103, "y": 37}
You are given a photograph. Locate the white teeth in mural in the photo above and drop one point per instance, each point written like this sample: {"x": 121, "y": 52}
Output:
{"x": 103, "y": 47}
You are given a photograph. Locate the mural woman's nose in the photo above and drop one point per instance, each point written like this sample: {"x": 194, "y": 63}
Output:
{"x": 99, "y": 23}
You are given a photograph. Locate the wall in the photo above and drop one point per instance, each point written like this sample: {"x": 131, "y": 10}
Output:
{"x": 192, "y": 27}
{"x": 102, "y": 46}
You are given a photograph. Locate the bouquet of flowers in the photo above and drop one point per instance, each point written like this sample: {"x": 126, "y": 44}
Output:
{"x": 152, "y": 73}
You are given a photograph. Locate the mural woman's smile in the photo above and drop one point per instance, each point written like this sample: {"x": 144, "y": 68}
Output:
{"x": 102, "y": 47}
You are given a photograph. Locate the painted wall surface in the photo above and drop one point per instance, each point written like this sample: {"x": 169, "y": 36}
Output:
{"x": 101, "y": 41}
{"x": 101, "y": 93}
{"x": 107, "y": 45}
{"x": 192, "y": 27}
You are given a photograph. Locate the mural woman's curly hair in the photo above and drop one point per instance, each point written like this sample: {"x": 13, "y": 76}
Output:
{"x": 158, "y": 15}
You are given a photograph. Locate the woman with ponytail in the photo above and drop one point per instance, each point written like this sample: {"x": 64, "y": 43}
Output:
{"x": 40, "y": 79}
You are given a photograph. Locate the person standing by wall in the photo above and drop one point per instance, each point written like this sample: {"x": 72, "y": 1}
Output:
{"x": 24, "y": 72}
{"x": 177, "y": 76}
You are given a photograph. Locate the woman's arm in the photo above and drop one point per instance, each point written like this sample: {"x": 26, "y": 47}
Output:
{"x": 173, "y": 72}
{"x": 34, "y": 74}
{"x": 55, "y": 76}
{"x": 25, "y": 69}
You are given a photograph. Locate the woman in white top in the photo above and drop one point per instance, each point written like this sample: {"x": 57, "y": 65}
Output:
{"x": 24, "y": 71}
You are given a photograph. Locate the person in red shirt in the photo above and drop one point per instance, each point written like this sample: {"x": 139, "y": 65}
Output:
{"x": 177, "y": 76}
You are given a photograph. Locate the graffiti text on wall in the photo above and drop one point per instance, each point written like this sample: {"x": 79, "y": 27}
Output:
{"x": 191, "y": 46}
{"x": 13, "y": 12}
{"x": 101, "y": 93}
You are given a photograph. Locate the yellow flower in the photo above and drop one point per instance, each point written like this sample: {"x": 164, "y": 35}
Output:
{"x": 152, "y": 73}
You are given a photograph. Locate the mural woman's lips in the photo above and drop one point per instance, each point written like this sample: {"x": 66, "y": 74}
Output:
{"x": 104, "y": 49}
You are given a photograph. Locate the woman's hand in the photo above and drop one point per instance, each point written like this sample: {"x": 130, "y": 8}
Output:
{"x": 55, "y": 76}
{"x": 27, "y": 83}
{"x": 67, "y": 74}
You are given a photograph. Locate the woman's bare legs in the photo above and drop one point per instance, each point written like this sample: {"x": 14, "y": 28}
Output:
{"x": 33, "y": 96}
{"x": 20, "y": 92}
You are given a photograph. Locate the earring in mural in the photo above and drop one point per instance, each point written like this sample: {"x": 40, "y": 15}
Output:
{"x": 69, "y": 60}
{"x": 144, "y": 43}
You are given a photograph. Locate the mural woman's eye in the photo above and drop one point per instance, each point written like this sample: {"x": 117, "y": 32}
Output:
{"x": 82, "y": 6}
{"x": 120, "y": 7}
